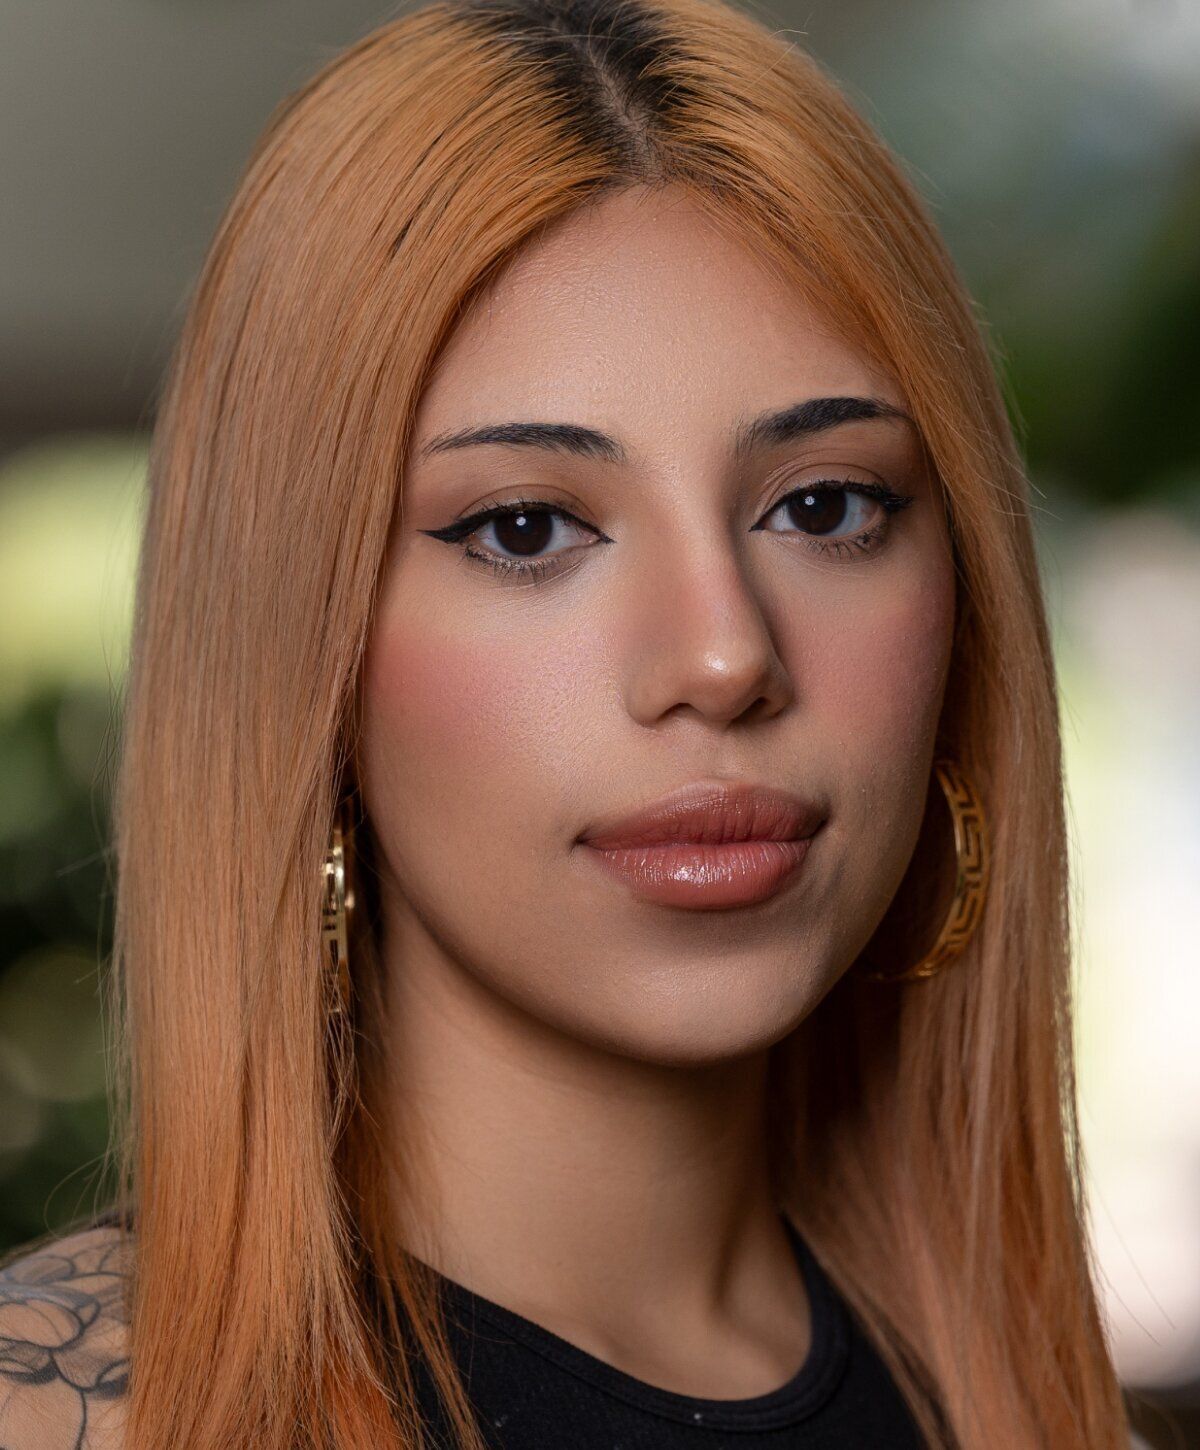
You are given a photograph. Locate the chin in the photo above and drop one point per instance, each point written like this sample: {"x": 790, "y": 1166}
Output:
{"x": 698, "y": 1024}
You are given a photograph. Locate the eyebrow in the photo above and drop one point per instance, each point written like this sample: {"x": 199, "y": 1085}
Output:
{"x": 768, "y": 430}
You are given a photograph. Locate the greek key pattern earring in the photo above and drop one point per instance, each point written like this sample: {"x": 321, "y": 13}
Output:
{"x": 337, "y": 902}
{"x": 972, "y": 849}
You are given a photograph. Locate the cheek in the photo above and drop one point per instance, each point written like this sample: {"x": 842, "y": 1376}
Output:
{"x": 876, "y": 688}
{"x": 481, "y": 724}
{"x": 432, "y": 708}
{"x": 881, "y": 672}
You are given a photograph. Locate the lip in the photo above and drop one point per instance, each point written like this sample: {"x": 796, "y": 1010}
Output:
{"x": 709, "y": 845}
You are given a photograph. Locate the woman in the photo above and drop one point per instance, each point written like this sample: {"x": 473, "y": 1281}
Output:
{"x": 592, "y": 927}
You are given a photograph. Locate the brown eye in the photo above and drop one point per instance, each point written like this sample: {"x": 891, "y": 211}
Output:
{"x": 826, "y": 510}
{"x": 524, "y": 533}
{"x": 843, "y": 518}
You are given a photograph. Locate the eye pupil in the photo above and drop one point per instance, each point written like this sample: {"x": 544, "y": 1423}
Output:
{"x": 524, "y": 533}
{"x": 819, "y": 512}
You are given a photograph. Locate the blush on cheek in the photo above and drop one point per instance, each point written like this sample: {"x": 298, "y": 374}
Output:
{"x": 882, "y": 673}
{"x": 496, "y": 709}
{"x": 432, "y": 704}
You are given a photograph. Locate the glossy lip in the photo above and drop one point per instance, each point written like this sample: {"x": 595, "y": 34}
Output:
{"x": 712, "y": 812}
{"x": 709, "y": 845}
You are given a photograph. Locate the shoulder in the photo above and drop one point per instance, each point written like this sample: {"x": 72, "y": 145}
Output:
{"x": 63, "y": 1345}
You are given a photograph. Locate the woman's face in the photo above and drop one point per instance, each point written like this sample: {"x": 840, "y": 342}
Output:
{"x": 672, "y": 605}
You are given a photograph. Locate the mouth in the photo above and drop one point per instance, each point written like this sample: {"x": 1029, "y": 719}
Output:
{"x": 711, "y": 845}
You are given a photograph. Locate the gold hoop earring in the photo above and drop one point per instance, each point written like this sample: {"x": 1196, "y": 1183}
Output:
{"x": 972, "y": 850}
{"x": 337, "y": 902}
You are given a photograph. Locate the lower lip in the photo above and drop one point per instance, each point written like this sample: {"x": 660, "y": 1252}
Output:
{"x": 704, "y": 877}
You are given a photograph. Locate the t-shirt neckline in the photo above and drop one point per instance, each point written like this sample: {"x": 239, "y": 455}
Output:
{"x": 800, "y": 1396}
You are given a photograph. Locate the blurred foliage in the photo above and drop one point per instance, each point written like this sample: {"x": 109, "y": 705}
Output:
{"x": 70, "y": 515}
{"x": 1113, "y": 406}
{"x": 55, "y": 924}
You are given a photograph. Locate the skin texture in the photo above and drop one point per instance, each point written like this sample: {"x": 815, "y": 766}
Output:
{"x": 581, "y": 1073}
{"x": 63, "y": 1353}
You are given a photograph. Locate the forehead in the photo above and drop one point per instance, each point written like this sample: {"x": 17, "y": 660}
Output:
{"x": 641, "y": 316}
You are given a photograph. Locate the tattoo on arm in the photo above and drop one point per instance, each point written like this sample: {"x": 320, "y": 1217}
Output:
{"x": 64, "y": 1367}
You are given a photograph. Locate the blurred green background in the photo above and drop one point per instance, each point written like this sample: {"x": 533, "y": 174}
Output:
{"x": 1058, "y": 144}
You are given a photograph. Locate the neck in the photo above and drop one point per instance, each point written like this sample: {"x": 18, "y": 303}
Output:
{"x": 569, "y": 1182}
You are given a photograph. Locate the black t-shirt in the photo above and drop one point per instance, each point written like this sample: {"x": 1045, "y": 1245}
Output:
{"x": 533, "y": 1390}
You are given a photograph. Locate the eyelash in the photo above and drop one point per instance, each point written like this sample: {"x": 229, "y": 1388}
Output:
{"x": 866, "y": 541}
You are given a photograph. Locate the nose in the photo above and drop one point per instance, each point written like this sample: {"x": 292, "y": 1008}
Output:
{"x": 700, "y": 641}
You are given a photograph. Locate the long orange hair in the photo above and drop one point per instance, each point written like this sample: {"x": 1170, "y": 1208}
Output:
{"x": 925, "y": 1135}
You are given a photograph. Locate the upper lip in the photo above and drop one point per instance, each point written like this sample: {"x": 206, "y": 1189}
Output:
{"x": 710, "y": 812}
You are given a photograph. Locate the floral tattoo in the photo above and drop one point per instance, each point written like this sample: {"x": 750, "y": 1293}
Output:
{"x": 63, "y": 1361}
